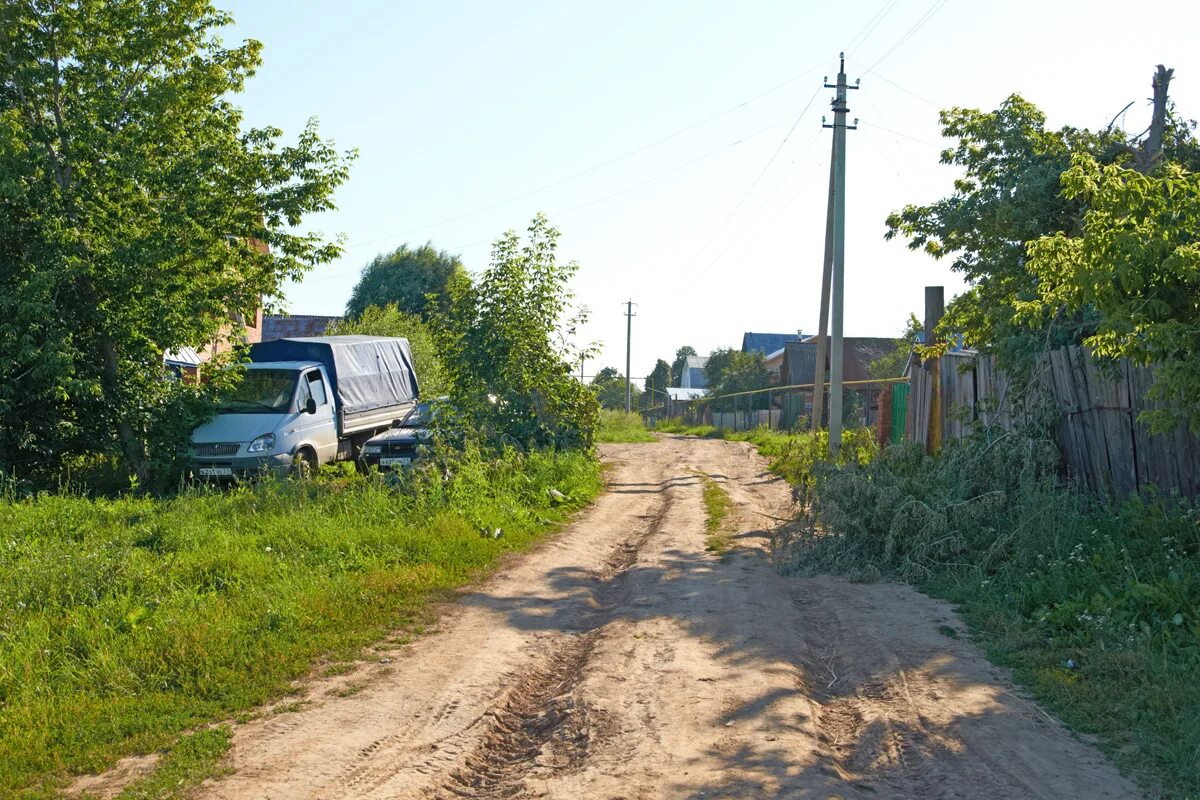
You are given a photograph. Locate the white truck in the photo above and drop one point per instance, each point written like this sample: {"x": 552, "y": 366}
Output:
{"x": 307, "y": 401}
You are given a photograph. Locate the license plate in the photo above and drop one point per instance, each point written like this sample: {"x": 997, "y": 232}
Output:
{"x": 397, "y": 461}
{"x": 216, "y": 472}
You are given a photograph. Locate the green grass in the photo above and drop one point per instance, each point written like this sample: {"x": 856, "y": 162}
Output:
{"x": 188, "y": 762}
{"x": 1094, "y": 606}
{"x": 126, "y": 622}
{"x": 716, "y": 509}
{"x": 680, "y": 427}
{"x": 617, "y": 426}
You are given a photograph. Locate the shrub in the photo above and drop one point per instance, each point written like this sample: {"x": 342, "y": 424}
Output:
{"x": 507, "y": 348}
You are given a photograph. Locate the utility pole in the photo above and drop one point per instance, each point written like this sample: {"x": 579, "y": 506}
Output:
{"x": 840, "y": 110}
{"x": 629, "y": 315}
{"x": 818, "y": 413}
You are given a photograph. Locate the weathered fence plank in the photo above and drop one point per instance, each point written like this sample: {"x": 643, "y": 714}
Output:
{"x": 1096, "y": 406}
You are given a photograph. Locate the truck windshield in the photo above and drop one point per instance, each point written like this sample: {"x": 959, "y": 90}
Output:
{"x": 262, "y": 391}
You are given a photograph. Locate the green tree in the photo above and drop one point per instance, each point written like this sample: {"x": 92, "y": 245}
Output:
{"x": 391, "y": 321}
{"x": 1008, "y": 195}
{"x": 609, "y": 385}
{"x": 892, "y": 365}
{"x": 659, "y": 379}
{"x": 680, "y": 363}
{"x": 507, "y": 346}
{"x": 407, "y": 278}
{"x": 1137, "y": 264}
{"x": 729, "y": 371}
{"x": 139, "y": 214}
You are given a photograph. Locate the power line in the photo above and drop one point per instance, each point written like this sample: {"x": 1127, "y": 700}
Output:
{"x": 902, "y": 135}
{"x": 755, "y": 216}
{"x": 920, "y": 23}
{"x": 593, "y": 168}
{"x": 617, "y": 193}
{"x": 672, "y": 171}
{"x": 754, "y": 183}
{"x": 904, "y": 89}
{"x": 759, "y": 220}
{"x": 870, "y": 27}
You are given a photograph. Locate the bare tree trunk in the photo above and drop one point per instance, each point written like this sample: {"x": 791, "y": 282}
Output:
{"x": 1151, "y": 151}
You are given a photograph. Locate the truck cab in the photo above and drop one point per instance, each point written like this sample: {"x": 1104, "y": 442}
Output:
{"x": 295, "y": 414}
{"x": 281, "y": 413}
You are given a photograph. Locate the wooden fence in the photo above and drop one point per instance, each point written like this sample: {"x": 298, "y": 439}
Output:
{"x": 1092, "y": 407}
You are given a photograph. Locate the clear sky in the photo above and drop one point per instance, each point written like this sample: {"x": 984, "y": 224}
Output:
{"x": 656, "y": 136}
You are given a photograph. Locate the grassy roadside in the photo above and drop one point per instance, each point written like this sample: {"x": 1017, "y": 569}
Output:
{"x": 716, "y": 509}
{"x": 1095, "y": 607}
{"x": 124, "y": 623}
{"x": 617, "y": 426}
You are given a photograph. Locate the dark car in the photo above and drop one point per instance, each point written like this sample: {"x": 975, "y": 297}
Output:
{"x": 402, "y": 445}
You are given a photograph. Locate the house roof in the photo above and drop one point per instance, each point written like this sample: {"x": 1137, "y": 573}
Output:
{"x": 799, "y": 363}
{"x": 696, "y": 362}
{"x": 766, "y": 343}
{"x": 682, "y": 395}
{"x": 182, "y": 357}
{"x": 800, "y": 358}
{"x": 290, "y": 326}
{"x": 860, "y": 352}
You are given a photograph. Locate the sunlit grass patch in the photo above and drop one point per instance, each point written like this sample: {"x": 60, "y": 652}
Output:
{"x": 716, "y": 509}
{"x": 617, "y": 426}
{"x": 190, "y": 760}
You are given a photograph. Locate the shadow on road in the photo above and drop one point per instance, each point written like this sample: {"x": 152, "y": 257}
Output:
{"x": 874, "y": 731}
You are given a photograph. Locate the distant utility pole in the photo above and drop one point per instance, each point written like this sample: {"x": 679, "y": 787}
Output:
{"x": 629, "y": 315}
{"x": 840, "y": 110}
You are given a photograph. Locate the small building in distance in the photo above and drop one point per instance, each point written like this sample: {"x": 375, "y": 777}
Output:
{"x": 799, "y": 365}
{"x": 693, "y": 376}
{"x": 799, "y": 368}
{"x": 774, "y": 364}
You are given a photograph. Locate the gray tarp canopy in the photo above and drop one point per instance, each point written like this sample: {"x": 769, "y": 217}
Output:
{"x": 367, "y": 372}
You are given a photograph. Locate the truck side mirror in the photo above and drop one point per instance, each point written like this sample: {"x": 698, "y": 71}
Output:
{"x": 310, "y": 406}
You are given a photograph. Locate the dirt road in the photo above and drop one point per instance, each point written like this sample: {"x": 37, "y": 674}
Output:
{"x": 622, "y": 660}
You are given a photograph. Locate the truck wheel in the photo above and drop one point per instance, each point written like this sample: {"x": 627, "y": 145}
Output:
{"x": 304, "y": 464}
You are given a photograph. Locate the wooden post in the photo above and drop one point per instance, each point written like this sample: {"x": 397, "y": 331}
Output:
{"x": 935, "y": 406}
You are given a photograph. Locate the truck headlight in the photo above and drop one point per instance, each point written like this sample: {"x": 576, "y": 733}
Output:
{"x": 263, "y": 444}
{"x": 372, "y": 449}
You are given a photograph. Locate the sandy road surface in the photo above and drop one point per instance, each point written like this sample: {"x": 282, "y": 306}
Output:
{"x": 620, "y": 660}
